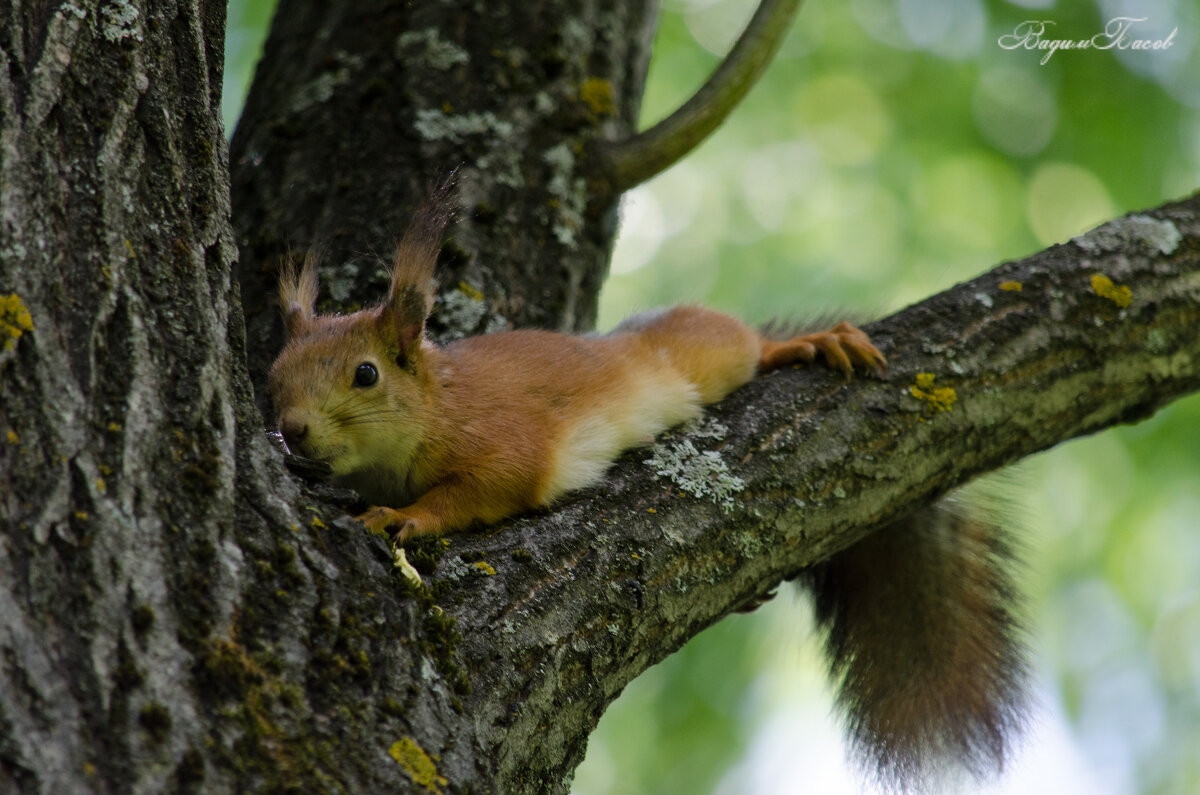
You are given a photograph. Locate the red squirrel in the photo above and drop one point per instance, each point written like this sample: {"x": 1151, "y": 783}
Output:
{"x": 920, "y": 627}
{"x": 438, "y": 438}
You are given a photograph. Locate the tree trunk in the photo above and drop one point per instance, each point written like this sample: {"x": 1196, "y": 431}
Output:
{"x": 356, "y": 110}
{"x": 132, "y": 451}
{"x": 179, "y": 615}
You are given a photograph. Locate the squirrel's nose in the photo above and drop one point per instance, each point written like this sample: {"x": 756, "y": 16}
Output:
{"x": 294, "y": 431}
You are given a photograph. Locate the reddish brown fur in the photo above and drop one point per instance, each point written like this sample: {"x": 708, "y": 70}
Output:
{"x": 490, "y": 426}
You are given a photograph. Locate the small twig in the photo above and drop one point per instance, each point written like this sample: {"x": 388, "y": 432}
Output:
{"x": 625, "y": 164}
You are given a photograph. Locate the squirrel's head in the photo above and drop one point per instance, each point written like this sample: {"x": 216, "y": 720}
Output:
{"x": 354, "y": 390}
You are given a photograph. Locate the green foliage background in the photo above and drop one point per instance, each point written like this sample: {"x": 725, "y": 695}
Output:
{"x": 894, "y": 149}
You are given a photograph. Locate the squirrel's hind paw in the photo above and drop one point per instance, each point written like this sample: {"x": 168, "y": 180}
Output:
{"x": 844, "y": 347}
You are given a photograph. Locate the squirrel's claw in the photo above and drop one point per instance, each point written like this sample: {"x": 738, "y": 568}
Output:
{"x": 398, "y": 526}
{"x": 385, "y": 521}
{"x": 844, "y": 347}
{"x": 852, "y": 347}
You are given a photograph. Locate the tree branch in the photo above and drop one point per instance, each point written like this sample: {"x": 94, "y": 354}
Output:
{"x": 627, "y": 163}
{"x": 1035, "y": 352}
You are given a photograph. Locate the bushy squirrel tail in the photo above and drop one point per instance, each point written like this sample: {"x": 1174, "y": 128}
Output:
{"x": 923, "y": 637}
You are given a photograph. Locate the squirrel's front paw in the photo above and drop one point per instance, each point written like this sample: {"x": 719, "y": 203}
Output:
{"x": 386, "y": 521}
{"x": 399, "y": 526}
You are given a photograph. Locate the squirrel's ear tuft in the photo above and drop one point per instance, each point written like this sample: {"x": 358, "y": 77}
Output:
{"x": 417, "y": 252}
{"x": 298, "y": 294}
{"x": 411, "y": 296}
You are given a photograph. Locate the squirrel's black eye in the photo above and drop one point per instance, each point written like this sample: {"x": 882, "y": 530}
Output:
{"x": 366, "y": 375}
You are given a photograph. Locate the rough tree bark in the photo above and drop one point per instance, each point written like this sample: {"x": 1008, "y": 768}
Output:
{"x": 178, "y": 615}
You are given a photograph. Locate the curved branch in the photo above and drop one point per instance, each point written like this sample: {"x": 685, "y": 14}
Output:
{"x": 1033, "y": 353}
{"x": 625, "y": 164}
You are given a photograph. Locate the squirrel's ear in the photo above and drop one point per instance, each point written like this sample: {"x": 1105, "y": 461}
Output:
{"x": 402, "y": 321}
{"x": 298, "y": 294}
{"x": 411, "y": 296}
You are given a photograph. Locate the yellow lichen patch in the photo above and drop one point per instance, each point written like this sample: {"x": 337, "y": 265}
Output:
{"x": 12, "y": 437}
{"x": 597, "y": 94}
{"x": 15, "y": 319}
{"x": 317, "y": 523}
{"x": 484, "y": 566}
{"x": 114, "y": 427}
{"x": 101, "y": 486}
{"x": 1012, "y": 287}
{"x": 417, "y": 764}
{"x": 941, "y": 398}
{"x": 1104, "y": 287}
{"x": 469, "y": 291}
{"x": 81, "y": 515}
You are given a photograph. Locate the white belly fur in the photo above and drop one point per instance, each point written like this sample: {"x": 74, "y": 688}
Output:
{"x": 651, "y": 402}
